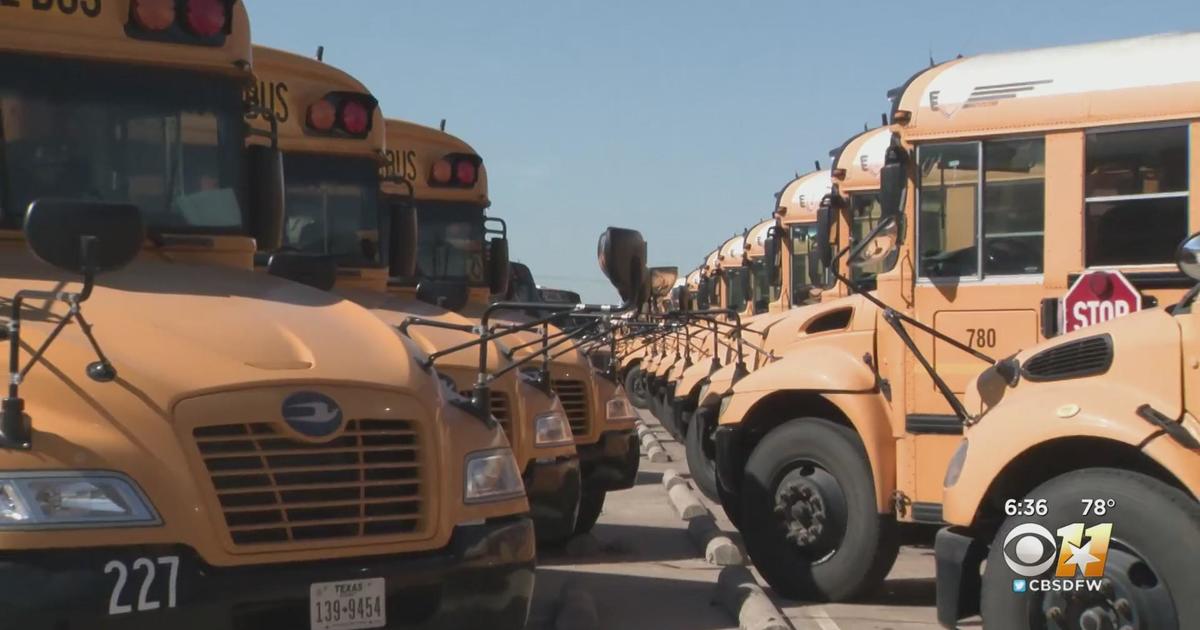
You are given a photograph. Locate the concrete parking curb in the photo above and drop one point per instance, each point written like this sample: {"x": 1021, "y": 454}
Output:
{"x": 650, "y": 444}
{"x": 741, "y": 596}
{"x": 576, "y": 609}
{"x": 702, "y": 526}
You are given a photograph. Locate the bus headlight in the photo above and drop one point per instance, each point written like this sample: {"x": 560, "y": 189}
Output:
{"x": 955, "y": 467}
{"x": 551, "y": 429}
{"x": 618, "y": 408}
{"x": 491, "y": 476}
{"x": 72, "y": 499}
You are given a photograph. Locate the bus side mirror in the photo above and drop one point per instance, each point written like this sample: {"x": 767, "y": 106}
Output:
{"x": 1188, "y": 257}
{"x": 402, "y": 245}
{"x": 498, "y": 268}
{"x": 771, "y": 253}
{"x": 85, "y": 237}
{"x": 893, "y": 182}
{"x": 822, "y": 253}
{"x": 267, "y": 186}
{"x": 621, "y": 253}
{"x": 315, "y": 270}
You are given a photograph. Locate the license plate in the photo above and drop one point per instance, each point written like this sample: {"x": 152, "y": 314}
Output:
{"x": 348, "y": 605}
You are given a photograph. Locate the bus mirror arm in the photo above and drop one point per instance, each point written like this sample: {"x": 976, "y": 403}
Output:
{"x": 15, "y": 430}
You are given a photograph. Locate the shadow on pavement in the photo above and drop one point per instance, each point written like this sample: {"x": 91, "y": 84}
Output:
{"x": 647, "y": 477}
{"x": 632, "y": 601}
{"x": 616, "y": 543}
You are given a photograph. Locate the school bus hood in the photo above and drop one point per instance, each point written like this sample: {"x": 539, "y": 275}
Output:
{"x": 175, "y": 330}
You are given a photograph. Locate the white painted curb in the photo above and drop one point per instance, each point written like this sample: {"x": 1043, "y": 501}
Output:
{"x": 702, "y": 527}
{"x": 650, "y": 444}
{"x": 741, "y": 596}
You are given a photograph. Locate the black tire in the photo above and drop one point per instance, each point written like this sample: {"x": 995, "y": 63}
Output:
{"x": 1153, "y": 526}
{"x": 635, "y": 387}
{"x": 701, "y": 453}
{"x": 591, "y": 503}
{"x": 853, "y": 547}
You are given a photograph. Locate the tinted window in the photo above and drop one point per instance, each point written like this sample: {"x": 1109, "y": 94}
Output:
{"x": 736, "y": 283}
{"x": 1014, "y": 201}
{"x": 1137, "y": 195}
{"x": 333, "y": 207}
{"x": 804, "y": 238}
{"x": 864, "y": 210}
{"x": 450, "y": 242}
{"x": 947, "y": 195}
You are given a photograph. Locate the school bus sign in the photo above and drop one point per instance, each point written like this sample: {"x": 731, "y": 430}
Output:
{"x": 1098, "y": 296}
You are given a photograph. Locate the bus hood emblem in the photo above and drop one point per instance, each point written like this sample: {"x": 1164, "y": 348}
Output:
{"x": 312, "y": 414}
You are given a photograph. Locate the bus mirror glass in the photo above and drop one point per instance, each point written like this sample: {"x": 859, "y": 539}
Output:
{"x": 771, "y": 254}
{"x": 402, "y": 244}
{"x": 1188, "y": 257}
{"x": 893, "y": 182}
{"x": 267, "y": 206}
{"x": 498, "y": 268}
{"x": 621, "y": 253}
{"x": 84, "y": 236}
{"x": 822, "y": 252}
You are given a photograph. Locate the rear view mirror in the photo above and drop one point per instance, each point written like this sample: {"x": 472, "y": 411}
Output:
{"x": 402, "y": 242}
{"x": 662, "y": 279}
{"x": 267, "y": 186}
{"x": 622, "y": 257}
{"x": 771, "y": 254}
{"x": 84, "y": 236}
{"x": 498, "y": 269}
{"x": 1188, "y": 257}
{"x": 893, "y": 183}
{"x": 821, "y": 250}
{"x": 315, "y": 270}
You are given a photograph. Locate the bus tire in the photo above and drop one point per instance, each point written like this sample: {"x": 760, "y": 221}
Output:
{"x": 635, "y": 387}
{"x": 1147, "y": 564}
{"x": 591, "y": 503}
{"x": 701, "y": 453}
{"x": 809, "y": 517}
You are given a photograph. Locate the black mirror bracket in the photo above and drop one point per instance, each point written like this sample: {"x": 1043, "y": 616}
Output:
{"x": 15, "y": 429}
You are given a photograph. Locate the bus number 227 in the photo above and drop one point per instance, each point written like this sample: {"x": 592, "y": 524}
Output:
{"x": 147, "y": 570}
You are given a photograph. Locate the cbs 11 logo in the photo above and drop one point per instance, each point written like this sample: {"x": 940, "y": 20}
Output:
{"x": 1030, "y": 550}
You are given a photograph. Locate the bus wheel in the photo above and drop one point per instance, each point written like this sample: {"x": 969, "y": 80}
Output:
{"x": 809, "y": 516}
{"x": 702, "y": 451}
{"x": 1149, "y": 580}
{"x": 591, "y": 503}
{"x": 635, "y": 387}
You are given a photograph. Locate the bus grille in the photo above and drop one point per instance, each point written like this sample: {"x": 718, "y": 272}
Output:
{"x": 273, "y": 489}
{"x": 499, "y": 407}
{"x": 573, "y": 396}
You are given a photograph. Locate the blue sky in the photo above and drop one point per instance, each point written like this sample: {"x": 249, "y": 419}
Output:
{"x": 681, "y": 119}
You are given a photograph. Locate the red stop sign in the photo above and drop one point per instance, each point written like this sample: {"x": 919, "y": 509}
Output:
{"x": 1098, "y": 296}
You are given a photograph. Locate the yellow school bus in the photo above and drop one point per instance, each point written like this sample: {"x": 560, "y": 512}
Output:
{"x": 460, "y": 268}
{"x": 1117, "y": 123}
{"x": 787, "y": 271}
{"x": 858, "y": 421}
{"x": 335, "y": 209}
{"x": 194, "y": 444}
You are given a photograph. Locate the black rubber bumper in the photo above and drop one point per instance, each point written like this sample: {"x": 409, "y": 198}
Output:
{"x": 611, "y": 463}
{"x": 553, "y": 489}
{"x": 959, "y": 586}
{"x": 728, "y": 440}
{"x": 483, "y": 578}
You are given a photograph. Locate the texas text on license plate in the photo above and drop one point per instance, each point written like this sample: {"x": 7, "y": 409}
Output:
{"x": 348, "y": 605}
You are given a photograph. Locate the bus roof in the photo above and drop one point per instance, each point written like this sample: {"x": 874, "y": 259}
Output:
{"x": 861, "y": 159}
{"x": 732, "y": 252}
{"x": 711, "y": 262}
{"x": 289, "y": 84}
{"x": 1126, "y": 81}
{"x": 413, "y": 149}
{"x": 800, "y": 199}
{"x": 693, "y": 279}
{"x": 756, "y": 237}
{"x": 103, "y": 31}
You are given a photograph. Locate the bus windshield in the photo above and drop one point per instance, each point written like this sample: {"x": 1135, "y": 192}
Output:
{"x": 736, "y": 279}
{"x": 168, "y": 142}
{"x": 764, "y": 291}
{"x": 450, "y": 242}
{"x": 333, "y": 207}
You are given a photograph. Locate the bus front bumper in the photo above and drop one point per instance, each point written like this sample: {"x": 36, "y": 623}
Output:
{"x": 553, "y": 491}
{"x": 483, "y": 578}
{"x": 611, "y": 463}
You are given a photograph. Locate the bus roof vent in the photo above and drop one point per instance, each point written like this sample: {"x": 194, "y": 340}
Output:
{"x": 1075, "y": 359}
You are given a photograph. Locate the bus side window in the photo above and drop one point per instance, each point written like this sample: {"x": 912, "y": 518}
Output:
{"x": 1136, "y": 195}
{"x": 1014, "y": 206}
{"x": 947, "y": 198}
